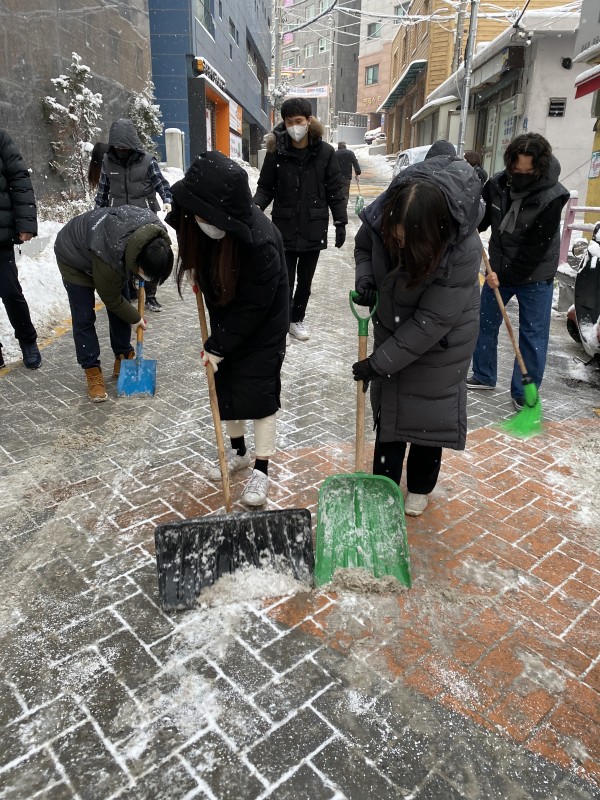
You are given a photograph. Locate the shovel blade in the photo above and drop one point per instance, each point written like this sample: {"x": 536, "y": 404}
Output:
{"x": 137, "y": 377}
{"x": 361, "y": 524}
{"x": 192, "y": 554}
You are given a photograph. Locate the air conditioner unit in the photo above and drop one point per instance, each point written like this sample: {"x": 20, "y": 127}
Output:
{"x": 519, "y": 104}
{"x": 596, "y": 104}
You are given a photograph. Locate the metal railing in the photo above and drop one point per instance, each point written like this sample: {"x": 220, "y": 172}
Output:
{"x": 570, "y": 224}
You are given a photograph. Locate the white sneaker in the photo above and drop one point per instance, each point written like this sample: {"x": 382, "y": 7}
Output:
{"x": 255, "y": 493}
{"x": 415, "y": 504}
{"x": 234, "y": 462}
{"x": 299, "y": 331}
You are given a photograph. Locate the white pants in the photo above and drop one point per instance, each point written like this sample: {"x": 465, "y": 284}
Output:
{"x": 265, "y": 433}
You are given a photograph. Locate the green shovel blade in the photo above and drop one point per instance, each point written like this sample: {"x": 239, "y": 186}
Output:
{"x": 361, "y": 524}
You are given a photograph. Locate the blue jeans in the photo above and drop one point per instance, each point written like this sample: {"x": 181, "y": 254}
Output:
{"x": 535, "y": 306}
{"x": 87, "y": 347}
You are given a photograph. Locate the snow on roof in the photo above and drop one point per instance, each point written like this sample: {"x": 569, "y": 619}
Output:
{"x": 589, "y": 73}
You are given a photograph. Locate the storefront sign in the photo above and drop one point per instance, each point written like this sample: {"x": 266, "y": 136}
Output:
{"x": 235, "y": 117}
{"x": 595, "y": 165}
{"x": 235, "y": 145}
{"x": 202, "y": 67}
{"x": 308, "y": 91}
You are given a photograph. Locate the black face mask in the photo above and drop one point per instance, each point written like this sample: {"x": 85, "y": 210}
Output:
{"x": 520, "y": 183}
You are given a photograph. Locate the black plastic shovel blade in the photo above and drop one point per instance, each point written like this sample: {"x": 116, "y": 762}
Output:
{"x": 192, "y": 554}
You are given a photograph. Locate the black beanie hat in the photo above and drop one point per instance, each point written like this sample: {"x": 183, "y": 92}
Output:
{"x": 216, "y": 189}
{"x": 441, "y": 148}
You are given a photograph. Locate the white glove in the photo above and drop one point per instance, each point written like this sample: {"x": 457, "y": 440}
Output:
{"x": 141, "y": 324}
{"x": 212, "y": 359}
{"x": 166, "y": 207}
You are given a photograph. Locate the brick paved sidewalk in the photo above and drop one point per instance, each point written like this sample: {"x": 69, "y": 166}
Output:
{"x": 480, "y": 682}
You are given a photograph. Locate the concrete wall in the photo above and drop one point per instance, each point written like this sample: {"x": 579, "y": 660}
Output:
{"x": 571, "y": 136}
{"x": 37, "y": 39}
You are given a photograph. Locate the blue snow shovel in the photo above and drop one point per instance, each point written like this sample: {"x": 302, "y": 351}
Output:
{"x": 137, "y": 376}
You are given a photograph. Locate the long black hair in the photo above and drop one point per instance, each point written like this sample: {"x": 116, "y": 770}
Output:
{"x": 98, "y": 153}
{"x": 421, "y": 208}
{"x": 213, "y": 265}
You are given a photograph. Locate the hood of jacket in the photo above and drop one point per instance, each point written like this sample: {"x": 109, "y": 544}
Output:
{"x": 456, "y": 179}
{"x": 119, "y": 233}
{"x": 123, "y": 134}
{"x": 216, "y": 189}
{"x": 278, "y": 138}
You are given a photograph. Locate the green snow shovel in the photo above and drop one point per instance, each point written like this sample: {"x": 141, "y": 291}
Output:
{"x": 360, "y": 517}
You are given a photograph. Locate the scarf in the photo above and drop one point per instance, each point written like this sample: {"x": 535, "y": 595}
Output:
{"x": 510, "y": 220}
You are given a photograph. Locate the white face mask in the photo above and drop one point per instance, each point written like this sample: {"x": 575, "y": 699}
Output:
{"x": 297, "y": 132}
{"x": 210, "y": 230}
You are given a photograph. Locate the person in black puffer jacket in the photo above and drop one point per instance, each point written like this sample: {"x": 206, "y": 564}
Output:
{"x": 301, "y": 176}
{"x": 347, "y": 162}
{"x": 523, "y": 208}
{"x": 234, "y": 254}
{"x": 18, "y": 223}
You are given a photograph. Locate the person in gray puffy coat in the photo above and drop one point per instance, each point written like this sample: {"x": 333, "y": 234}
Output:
{"x": 418, "y": 252}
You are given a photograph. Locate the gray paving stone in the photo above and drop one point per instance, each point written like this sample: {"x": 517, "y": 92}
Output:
{"x": 146, "y": 620}
{"x": 296, "y": 688}
{"x": 436, "y": 788}
{"x": 9, "y": 705}
{"x": 236, "y": 717}
{"x": 228, "y": 777}
{"x": 91, "y": 769}
{"x": 285, "y": 651}
{"x": 346, "y": 767}
{"x": 242, "y": 667}
{"x": 304, "y": 783}
{"x": 287, "y": 745}
{"x": 28, "y": 777}
{"x": 108, "y": 700}
{"x": 130, "y": 662}
{"x": 169, "y": 780}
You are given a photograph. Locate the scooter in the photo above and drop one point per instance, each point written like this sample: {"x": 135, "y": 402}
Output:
{"x": 583, "y": 318}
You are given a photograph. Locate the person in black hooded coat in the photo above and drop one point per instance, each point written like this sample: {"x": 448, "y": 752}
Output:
{"x": 234, "y": 254}
{"x": 18, "y": 223}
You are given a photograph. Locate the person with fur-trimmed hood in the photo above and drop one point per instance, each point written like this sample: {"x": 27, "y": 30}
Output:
{"x": 302, "y": 178}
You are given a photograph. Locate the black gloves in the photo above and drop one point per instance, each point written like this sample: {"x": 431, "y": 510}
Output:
{"x": 363, "y": 371}
{"x": 366, "y": 297}
{"x": 340, "y": 235}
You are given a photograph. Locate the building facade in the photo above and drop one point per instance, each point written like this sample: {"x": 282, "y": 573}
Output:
{"x": 38, "y": 39}
{"x": 210, "y": 66}
{"x": 320, "y": 60}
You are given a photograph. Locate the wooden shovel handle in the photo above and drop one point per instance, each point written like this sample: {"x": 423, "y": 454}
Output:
{"x": 359, "y": 453}
{"x": 509, "y": 327}
{"x": 214, "y": 405}
{"x": 141, "y": 301}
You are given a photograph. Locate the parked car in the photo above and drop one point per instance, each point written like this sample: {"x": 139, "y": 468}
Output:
{"x": 375, "y": 136}
{"x": 413, "y": 155}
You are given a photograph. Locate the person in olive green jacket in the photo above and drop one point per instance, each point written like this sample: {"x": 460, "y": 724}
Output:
{"x": 97, "y": 252}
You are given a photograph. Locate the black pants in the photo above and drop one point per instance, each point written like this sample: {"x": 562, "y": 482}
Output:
{"x": 346, "y": 187}
{"x": 149, "y": 288}
{"x": 303, "y": 265}
{"x": 422, "y": 465}
{"x": 87, "y": 346}
{"x": 12, "y": 296}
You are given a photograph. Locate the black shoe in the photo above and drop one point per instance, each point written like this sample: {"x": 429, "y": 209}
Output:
{"x": 518, "y": 403}
{"x": 31, "y": 355}
{"x": 152, "y": 304}
{"x": 473, "y": 383}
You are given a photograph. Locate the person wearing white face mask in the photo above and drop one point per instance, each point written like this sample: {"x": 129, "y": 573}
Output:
{"x": 301, "y": 177}
{"x": 234, "y": 254}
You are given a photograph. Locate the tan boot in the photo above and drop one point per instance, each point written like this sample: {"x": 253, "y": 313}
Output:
{"x": 121, "y": 357}
{"x": 95, "y": 381}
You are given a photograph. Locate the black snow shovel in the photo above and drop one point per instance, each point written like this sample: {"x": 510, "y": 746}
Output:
{"x": 360, "y": 522}
{"x": 192, "y": 554}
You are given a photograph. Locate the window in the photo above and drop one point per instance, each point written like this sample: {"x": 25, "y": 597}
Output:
{"x": 401, "y": 11}
{"x": 557, "y": 107}
{"x": 310, "y": 11}
{"x": 231, "y": 29}
{"x": 372, "y": 75}
{"x": 231, "y": 52}
{"x": 309, "y": 51}
{"x": 251, "y": 58}
{"x": 204, "y": 9}
{"x": 139, "y": 61}
{"x": 323, "y": 5}
{"x": 323, "y": 45}
{"x": 288, "y": 62}
{"x": 115, "y": 42}
{"x": 374, "y": 30}
{"x": 220, "y": 10}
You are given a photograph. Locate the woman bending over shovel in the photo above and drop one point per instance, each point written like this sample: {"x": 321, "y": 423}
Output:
{"x": 418, "y": 252}
{"x": 235, "y": 256}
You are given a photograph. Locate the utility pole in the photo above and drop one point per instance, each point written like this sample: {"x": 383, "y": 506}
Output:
{"x": 460, "y": 26}
{"x": 277, "y": 55}
{"x": 331, "y": 98}
{"x": 468, "y": 68}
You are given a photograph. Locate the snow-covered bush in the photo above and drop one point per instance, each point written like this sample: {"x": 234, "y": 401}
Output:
{"x": 146, "y": 116}
{"x": 73, "y": 116}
